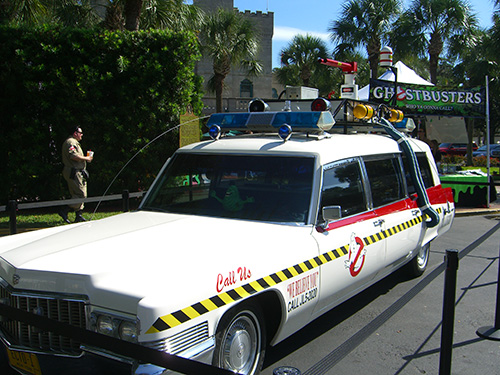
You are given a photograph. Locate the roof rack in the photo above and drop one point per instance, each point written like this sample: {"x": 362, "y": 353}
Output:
{"x": 287, "y": 116}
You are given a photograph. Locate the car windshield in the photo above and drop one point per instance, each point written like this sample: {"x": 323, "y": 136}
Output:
{"x": 262, "y": 188}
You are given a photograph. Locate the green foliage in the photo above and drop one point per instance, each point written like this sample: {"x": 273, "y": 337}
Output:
{"x": 453, "y": 159}
{"x": 123, "y": 88}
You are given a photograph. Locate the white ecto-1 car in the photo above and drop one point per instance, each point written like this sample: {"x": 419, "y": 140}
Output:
{"x": 240, "y": 242}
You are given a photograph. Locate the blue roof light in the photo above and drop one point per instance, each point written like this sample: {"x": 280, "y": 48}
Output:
{"x": 214, "y": 132}
{"x": 312, "y": 122}
{"x": 285, "y": 132}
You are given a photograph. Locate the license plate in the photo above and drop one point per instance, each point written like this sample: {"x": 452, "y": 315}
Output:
{"x": 26, "y": 362}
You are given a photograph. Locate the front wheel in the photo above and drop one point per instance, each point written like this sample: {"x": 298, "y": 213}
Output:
{"x": 240, "y": 341}
{"x": 418, "y": 264}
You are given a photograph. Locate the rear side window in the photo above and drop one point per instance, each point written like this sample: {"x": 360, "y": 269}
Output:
{"x": 342, "y": 186}
{"x": 386, "y": 183}
{"x": 425, "y": 171}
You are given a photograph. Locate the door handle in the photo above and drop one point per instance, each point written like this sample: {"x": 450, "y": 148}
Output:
{"x": 379, "y": 222}
{"x": 415, "y": 212}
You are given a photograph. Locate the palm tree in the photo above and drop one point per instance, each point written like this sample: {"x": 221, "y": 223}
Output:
{"x": 301, "y": 55}
{"x": 38, "y": 12}
{"x": 25, "y": 12}
{"x": 227, "y": 39}
{"x": 429, "y": 26}
{"x": 365, "y": 23}
{"x": 171, "y": 14}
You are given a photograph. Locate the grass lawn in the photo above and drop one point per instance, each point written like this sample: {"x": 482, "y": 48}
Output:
{"x": 30, "y": 220}
{"x": 493, "y": 170}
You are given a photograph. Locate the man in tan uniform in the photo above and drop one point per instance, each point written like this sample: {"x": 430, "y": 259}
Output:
{"x": 74, "y": 172}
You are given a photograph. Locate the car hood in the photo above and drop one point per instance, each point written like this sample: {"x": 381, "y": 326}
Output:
{"x": 119, "y": 260}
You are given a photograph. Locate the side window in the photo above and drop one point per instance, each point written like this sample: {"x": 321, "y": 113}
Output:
{"x": 385, "y": 180}
{"x": 425, "y": 170}
{"x": 342, "y": 186}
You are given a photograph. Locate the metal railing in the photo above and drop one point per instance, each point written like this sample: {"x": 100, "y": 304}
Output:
{"x": 13, "y": 206}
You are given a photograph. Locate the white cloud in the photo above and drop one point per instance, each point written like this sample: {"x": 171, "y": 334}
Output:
{"x": 286, "y": 34}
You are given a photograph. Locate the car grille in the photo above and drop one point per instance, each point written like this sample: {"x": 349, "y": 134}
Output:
{"x": 24, "y": 336}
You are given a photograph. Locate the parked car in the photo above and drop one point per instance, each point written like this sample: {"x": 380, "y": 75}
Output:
{"x": 240, "y": 242}
{"x": 455, "y": 148}
{"x": 482, "y": 151}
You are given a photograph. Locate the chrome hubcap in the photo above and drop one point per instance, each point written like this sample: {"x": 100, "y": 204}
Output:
{"x": 241, "y": 345}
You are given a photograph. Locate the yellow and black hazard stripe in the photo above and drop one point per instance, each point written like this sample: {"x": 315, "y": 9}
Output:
{"x": 181, "y": 316}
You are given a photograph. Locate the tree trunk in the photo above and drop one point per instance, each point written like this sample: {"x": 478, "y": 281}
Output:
{"x": 132, "y": 14}
{"x": 435, "y": 49}
{"x": 114, "y": 18}
{"x": 219, "y": 86}
{"x": 305, "y": 75}
{"x": 373, "y": 50}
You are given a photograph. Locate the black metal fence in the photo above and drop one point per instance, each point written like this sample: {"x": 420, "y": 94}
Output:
{"x": 13, "y": 206}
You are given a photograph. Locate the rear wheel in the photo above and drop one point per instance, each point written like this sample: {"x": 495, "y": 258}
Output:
{"x": 240, "y": 340}
{"x": 418, "y": 264}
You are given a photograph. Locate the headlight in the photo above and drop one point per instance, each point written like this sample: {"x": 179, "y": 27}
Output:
{"x": 114, "y": 326}
{"x": 128, "y": 331}
{"x": 105, "y": 325}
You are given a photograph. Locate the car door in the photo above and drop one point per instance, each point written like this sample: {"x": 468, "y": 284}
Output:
{"x": 350, "y": 257}
{"x": 400, "y": 221}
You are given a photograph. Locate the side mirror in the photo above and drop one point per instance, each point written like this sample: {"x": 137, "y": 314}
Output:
{"x": 331, "y": 213}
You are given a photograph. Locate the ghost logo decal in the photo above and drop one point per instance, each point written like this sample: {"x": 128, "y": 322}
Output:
{"x": 357, "y": 254}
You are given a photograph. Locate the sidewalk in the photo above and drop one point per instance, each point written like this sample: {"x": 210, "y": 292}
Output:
{"x": 469, "y": 211}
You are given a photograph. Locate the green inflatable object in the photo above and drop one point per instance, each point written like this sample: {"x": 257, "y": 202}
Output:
{"x": 232, "y": 200}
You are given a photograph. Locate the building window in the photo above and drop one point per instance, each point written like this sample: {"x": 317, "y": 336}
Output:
{"x": 246, "y": 89}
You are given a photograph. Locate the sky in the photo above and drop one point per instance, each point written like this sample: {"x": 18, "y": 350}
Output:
{"x": 292, "y": 17}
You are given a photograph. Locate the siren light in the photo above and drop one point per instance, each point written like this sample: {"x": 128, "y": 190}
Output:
{"x": 396, "y": 115}
{"x": 258, "y": 105}
{"x": 310, "y": 122}
{"x": 320, "y": 104}
{"x": 363, "y": 111}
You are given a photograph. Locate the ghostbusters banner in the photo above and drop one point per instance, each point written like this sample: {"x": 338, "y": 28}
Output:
{"x": 430, "y": 100}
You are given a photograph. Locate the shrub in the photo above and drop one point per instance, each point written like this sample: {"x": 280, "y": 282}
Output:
{"x": 481, "y": 161}
{"x": 123, "y": 88}
{"x": 453, "y": 159}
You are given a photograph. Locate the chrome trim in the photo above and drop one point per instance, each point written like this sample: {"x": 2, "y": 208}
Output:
{"x": 183, "y": 341}
{"x": 107, "y": 354}
{"x": 201, "y": 353}
{"x": 68, "y": 309}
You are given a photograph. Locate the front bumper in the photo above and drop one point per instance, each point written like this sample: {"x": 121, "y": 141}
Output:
{"x": 92, "y": 361}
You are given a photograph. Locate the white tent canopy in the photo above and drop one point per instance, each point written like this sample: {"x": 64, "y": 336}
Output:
{"x": 405, "y": 75}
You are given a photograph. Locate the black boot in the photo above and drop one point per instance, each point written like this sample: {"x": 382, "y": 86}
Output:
{"x": 63, "y": 212}
{"x": 78, "y": 217}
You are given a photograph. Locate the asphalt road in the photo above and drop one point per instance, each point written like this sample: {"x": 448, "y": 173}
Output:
{"x": 394, "y": 327}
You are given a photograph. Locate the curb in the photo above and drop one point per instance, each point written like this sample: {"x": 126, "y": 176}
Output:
{"x": 476, "y": 212}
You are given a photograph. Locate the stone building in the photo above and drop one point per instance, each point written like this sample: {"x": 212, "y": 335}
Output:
{"x": 239, "y": 88}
